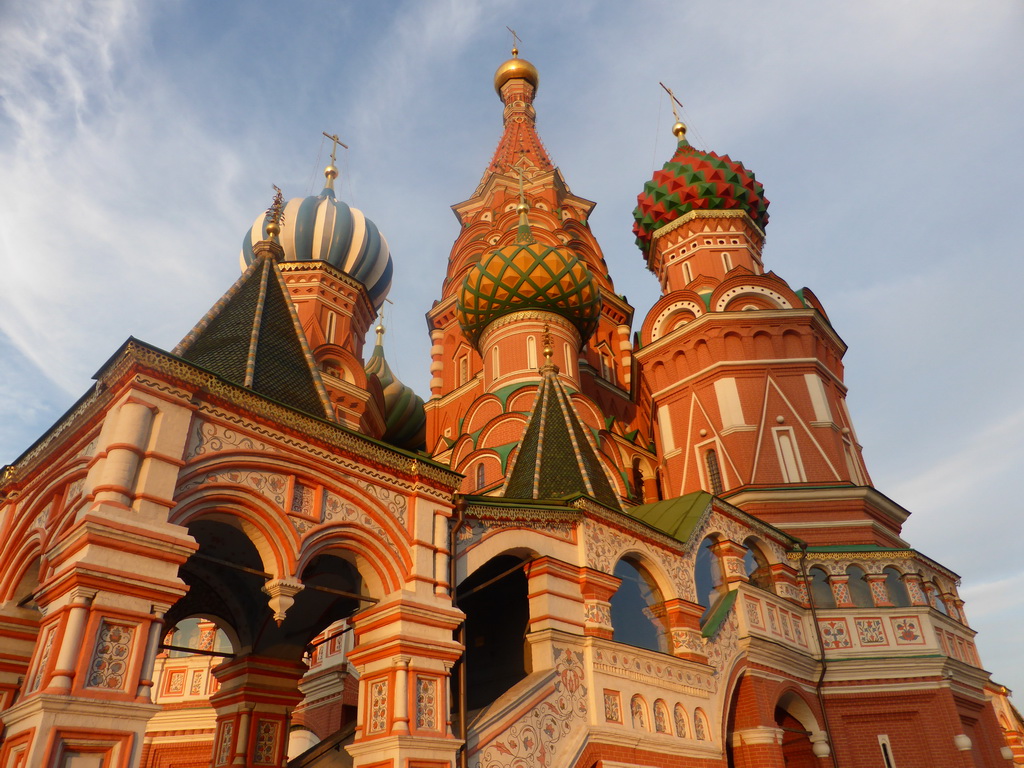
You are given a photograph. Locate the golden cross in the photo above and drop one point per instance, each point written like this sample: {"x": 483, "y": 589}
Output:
{"x": 674, "y": 100}
{"x": 334, "y": 148}
{"x": 515, "y": 40}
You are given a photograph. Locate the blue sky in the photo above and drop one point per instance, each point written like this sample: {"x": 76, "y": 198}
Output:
{"x": 138, "y": 141}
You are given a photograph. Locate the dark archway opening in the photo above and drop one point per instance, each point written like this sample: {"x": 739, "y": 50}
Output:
{"x": 494, "y": 599}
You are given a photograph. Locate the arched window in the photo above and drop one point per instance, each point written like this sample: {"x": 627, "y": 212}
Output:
{"x": 661, "y": 718}
{"x": 531, "y": 352}
{"x": 637, "y": 609}
{"x": 567, "y": 351}
{"x": 821, "y": 590}
{"x": 860, "y": 590}
{"x": 935, "y": 598}
{"x": 707, "y": 575}
{"x": 680, "y": 717}
{"x": 726, "y": 261}
{"x": 480, "y": 475}
{"x": 495, "y": 363}
{"x": 898, "y": 594}
{"x": 759, "y": 570}
{"x": 714, "y": 472}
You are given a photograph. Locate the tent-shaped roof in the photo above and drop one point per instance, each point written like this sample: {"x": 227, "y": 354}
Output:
{"x": 556, "y": 457}
{"x": 252, "y": 337}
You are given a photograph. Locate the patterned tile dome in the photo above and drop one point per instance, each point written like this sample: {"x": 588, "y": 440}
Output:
{"x": 528, "y": 275}
{"x": 696, "y": 180}
{"x": 323, "y": 228}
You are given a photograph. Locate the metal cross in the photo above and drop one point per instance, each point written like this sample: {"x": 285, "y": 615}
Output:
{"x": 515, "y": 40}
{"x": 674, "y": 100}
{"x": 334, "y": 148}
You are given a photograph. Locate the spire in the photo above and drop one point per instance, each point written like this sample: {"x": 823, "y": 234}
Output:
{"x": 516, "y": 82}
{"x": 523, "y": 234}
{"x": 544, "y": 467}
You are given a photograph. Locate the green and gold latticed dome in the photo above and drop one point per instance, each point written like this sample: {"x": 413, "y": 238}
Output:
{"x": 528, "y": 275}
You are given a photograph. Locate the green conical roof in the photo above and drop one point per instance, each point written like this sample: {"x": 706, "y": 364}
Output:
{"x": 252, "y": 337}
{"x": 556, "y": 457}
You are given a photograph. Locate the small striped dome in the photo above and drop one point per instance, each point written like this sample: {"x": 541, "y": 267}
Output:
{"x": 323, "y": 228}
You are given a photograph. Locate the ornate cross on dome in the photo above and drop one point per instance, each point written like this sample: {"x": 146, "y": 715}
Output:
{"x": 334, "y": 148}
{"x": 679, "y": 129}
{"x": 515, "y": 41}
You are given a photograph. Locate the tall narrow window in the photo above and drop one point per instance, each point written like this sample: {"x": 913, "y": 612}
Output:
{"x": 480, "y": 475}
{"x": 463, "y": 369}
{"x": 531, "y": 353}
{"x": 687, "y": 272}
{"x": 332, "y": 324}
{"x": 714, "y": 472}
{"x": 726, "y": 261}
{"x": 495, "y": 363}
{"x": 567, "y": 351}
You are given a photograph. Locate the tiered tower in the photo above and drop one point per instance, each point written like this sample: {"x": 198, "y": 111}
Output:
{"x": 745, "y": 373}
{"x": 526, "y": 264}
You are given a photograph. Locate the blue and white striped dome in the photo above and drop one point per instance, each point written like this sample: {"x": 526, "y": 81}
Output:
{"x": 323, "y": 228}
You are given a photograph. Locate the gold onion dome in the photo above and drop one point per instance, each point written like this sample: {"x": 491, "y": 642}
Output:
{"x": 516, "y": 68}
{"x": 528, "y": 275}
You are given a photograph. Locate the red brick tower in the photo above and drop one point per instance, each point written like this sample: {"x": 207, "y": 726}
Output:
{"x": 745, "y": 373}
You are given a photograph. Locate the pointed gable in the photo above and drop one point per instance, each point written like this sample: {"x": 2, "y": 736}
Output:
{"x": 556, "y": 457}
{"x": 252, "y": 337}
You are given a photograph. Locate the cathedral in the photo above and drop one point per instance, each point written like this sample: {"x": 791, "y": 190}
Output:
{"x": 600, "y": 541}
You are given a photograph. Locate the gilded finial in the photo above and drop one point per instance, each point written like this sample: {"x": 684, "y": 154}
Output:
{"x": 275, "y": 215}
{"x": 331, "y": 171}
{"x": 548, "y": 344}
{"x": 380, "y": 328}
{"x": 679, "y": 129}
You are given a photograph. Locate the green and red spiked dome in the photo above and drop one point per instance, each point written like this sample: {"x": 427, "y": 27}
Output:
{"x": 695, "y": 180}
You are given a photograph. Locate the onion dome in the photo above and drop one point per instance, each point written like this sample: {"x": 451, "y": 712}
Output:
{"x": 323, "y": 228}
{"x": 695, "y": 180}
{"x": 404, "y": 417}
{"x": 516, "y": 68}
{"x": 528, "y": 275}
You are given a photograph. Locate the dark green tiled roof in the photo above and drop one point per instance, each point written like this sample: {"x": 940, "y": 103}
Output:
{"x": 252, "y": 337}
{"x": 556, "y": 458}
{"x": 677, "y": 517}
